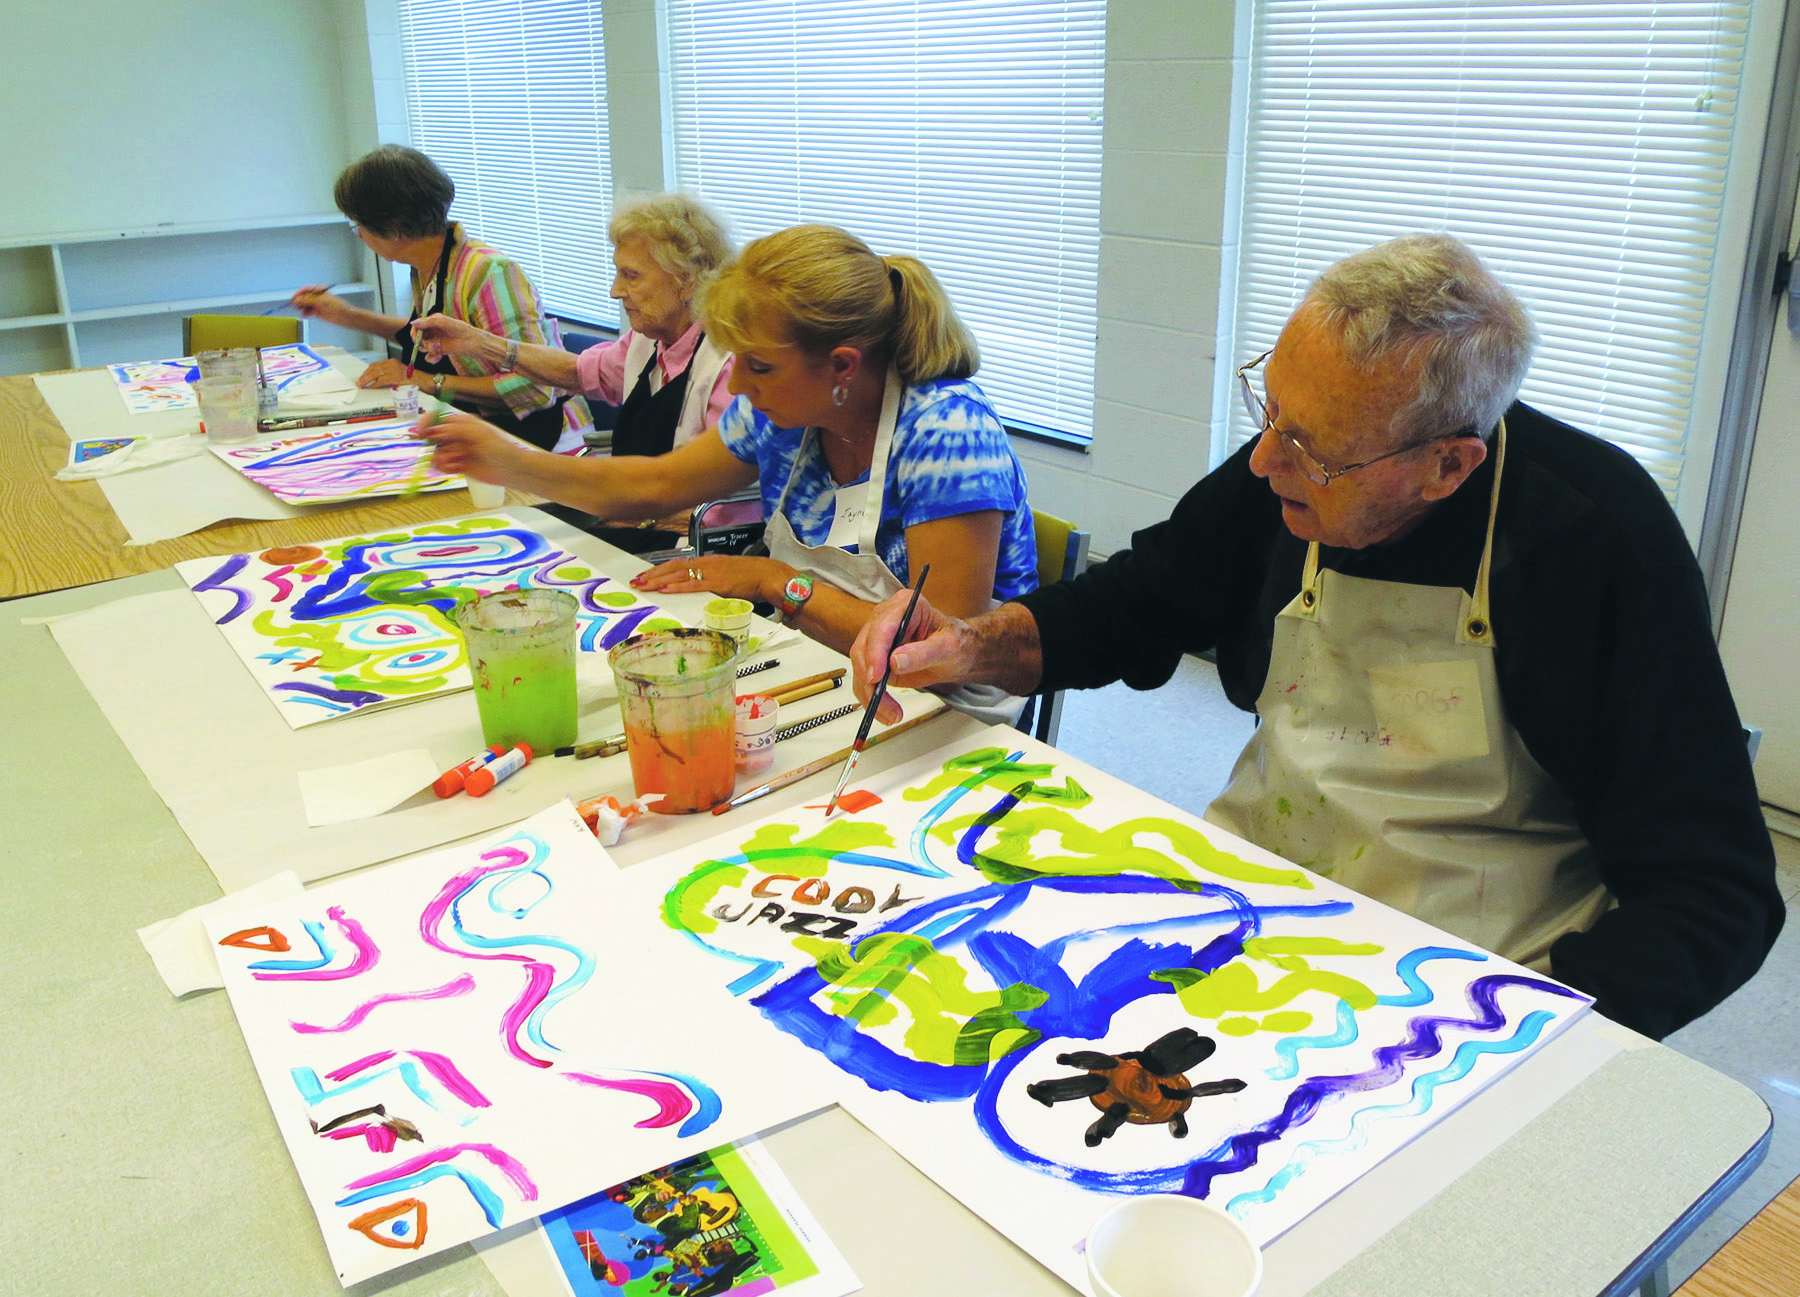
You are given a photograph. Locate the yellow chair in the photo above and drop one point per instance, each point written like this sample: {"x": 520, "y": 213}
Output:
{"x": 1062, "y": 553}
{"x": 213, "y": 332}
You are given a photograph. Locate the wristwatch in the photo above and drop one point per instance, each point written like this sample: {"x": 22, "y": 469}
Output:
{"x": 794, "y": 595}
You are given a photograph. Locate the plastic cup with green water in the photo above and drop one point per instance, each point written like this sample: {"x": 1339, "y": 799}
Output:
{"x": 521, "y": 646}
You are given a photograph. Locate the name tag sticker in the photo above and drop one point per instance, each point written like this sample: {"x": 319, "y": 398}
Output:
{"x": 846, "y": 525}
{"x": 1430, "y": 710}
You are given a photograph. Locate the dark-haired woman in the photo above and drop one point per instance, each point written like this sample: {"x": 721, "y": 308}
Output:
{"x": 398, "y": 201}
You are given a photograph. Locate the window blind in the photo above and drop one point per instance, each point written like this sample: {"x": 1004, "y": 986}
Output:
{"x": 1579, "y": 148}
{"x": 509, "y": 97}
{"x": 963, "y": 132}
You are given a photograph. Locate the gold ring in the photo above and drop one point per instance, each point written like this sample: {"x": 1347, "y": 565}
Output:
{"x": 693, "y": 574}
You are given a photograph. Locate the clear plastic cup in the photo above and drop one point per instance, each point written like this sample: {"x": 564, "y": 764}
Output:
{"x": 227, "y": 408}
{"x": 229, "y": 362}
{"x": 521, "y": 646}
{"x": 678, "y": 700}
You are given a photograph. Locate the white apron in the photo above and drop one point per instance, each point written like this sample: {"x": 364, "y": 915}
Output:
{"x": 863, "y": 573}
{"x": 1385, "y": 762}
{"x": 703, "y": 376}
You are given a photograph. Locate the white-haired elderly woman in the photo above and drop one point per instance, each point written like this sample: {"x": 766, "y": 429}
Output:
{"x": 668, "y": 379}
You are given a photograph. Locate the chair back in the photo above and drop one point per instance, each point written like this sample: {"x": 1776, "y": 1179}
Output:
{"x": 215, "y": 332}
{"x": 728, "y": 526}
{"x": 1062, "y": 548}
{"x": 1062, "y": 553}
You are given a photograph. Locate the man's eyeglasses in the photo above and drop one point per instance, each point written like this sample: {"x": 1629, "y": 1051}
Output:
{"x": 1311, "y": 469}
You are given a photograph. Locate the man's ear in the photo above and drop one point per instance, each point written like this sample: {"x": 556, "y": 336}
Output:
{"x": 1456, "y": 458}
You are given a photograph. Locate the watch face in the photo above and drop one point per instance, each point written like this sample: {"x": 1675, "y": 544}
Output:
{"x": 798, "y": 587}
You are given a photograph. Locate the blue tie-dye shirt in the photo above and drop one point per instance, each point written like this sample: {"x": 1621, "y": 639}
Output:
{"x": 950, "y": 456}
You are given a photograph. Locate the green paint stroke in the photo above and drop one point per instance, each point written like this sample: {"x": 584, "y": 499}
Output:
{"x": 989, "y": 766}
{"x": 1007, "y": 854}
{"x": 1289, "y": 952}
{"x": 1236, "y": 989}
{"x": 949, "y": 1023}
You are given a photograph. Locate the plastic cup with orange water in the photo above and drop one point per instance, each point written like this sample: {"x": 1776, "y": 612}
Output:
{"x": 677, "y": 697}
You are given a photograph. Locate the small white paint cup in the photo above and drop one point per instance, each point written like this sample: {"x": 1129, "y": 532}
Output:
{"x": 406, "y": 401}
{"x": 730, "y": 617}
{"x": 1171, "y": 1245}
{"x": 756, "y": 724}
{"x": 486, "y": 495}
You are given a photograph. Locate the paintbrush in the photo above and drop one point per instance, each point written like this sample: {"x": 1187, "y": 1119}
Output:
{"x": 790, "y": 690}
{"x": 823, "y": 763}
{"x": 862, "y": 731}
{"x": 423, "y": 468}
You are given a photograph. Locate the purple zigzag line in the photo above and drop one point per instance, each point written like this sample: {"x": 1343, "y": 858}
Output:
{"x": 228, "y": 569}
{"x": 1422, "y": 1040}
{"x": 461, "y": 986}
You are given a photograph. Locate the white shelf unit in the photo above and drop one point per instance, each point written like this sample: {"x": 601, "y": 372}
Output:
{"x": 99, "y": 297}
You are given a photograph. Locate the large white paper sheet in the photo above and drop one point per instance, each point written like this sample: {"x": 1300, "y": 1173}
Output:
{"x": 458, "y": 1042}
{"x": 364, "y": 621}
{"x": 175, "y": 499}
{"x": 227, "y": 765}
{"x": 1010, "y": 955}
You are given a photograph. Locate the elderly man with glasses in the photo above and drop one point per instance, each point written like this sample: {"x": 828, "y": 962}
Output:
{"x": 1476, "y": 639}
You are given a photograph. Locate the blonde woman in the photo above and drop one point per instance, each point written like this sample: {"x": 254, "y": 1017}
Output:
{"x": 855, "y": 412}
{"x": 670, "y": 381}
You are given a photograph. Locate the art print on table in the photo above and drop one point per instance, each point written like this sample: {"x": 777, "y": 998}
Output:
{"x": 1046, "y": 989}
{"x": 81, "y": 452}
{"x": 365, "y": 621}
{"x": 456, "y": 1043}
{"x": 326, "y": 465}
{"x": 149, "y": 385}
{"x": 724, "y": 1221}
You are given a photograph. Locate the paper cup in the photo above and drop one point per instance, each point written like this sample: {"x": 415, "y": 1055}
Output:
{"x": 756, "y": 724}
{"x": 406, "y": 401}
{"x": 1171, "y": 1245}
{"x": 486, "y": 495}
{"x": 729, "y": 617}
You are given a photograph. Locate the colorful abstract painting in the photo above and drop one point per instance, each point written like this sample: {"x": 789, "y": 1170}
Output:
{"x": 149, "y": 385}
{"x": 458, "y": 1042}
{"x": 292, "y": 363}
{"x": 723, "y": 1221}
{"x": 331, "y": 464}
{"x": 1046, "y": 989}
{"x": 81, "y": 452}
{"x": 365, "y": 621}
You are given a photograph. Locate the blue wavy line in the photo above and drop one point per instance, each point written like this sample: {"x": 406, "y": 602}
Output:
{"x": 1530, "y": 1027}
{"x": 489, "y": 1201}
{"x": 1289, "y": 1048}
{"x": 1408, "y": 968}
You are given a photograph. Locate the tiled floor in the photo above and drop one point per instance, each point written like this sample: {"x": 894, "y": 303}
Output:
{"x": 1180, "y": 742}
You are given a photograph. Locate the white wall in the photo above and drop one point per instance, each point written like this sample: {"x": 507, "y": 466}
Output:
{"x": 122, "y": 116}
{"x": 1165, "y": 169}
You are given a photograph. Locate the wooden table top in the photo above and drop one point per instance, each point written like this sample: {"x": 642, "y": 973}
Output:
{"x": 54, "y": 535}
{"x": 1761, "y": 1260}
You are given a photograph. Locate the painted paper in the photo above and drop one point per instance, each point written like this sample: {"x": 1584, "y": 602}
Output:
{"x": 1047, "y": 989}
{"x": 723, "y": 1221}
{"x": 289, "y": 364}
{"x": 325, "y": 465}
{"x": 459, "y": 1042}
{"x": 80, "y": 452}
{"x": 365, "y": 621}
{"x": 148, "y": 385}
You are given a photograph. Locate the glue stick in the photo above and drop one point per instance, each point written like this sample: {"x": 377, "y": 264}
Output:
{"x": 452, "y": 781}
{"x": 483, "y": 780}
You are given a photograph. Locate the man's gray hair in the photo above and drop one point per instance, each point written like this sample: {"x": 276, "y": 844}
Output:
{"x": 684, "y": 235}
{"x": 1432, "y": 294}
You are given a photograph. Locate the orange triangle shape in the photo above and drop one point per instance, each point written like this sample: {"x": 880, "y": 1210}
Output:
{"x": 264, "y": 938}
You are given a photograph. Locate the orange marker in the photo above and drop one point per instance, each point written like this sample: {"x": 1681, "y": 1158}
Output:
{"x": 452, "y": 781}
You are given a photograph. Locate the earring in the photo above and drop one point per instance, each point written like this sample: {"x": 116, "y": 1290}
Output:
{"x": 840, "y": 394}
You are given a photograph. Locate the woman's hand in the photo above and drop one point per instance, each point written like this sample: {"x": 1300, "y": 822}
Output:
{"x": 441, "y": 335}
{"x": 729, "y": 575}
{"x": 383, "y": 373}
{"x": 467, "y": 445}
{"x": 318, "y": 300}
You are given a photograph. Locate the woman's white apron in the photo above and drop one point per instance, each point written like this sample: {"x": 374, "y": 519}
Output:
{"x": 863, "y": 573}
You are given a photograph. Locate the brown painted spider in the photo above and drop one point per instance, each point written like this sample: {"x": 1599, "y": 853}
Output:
{"x": 1140, "y": 1086}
